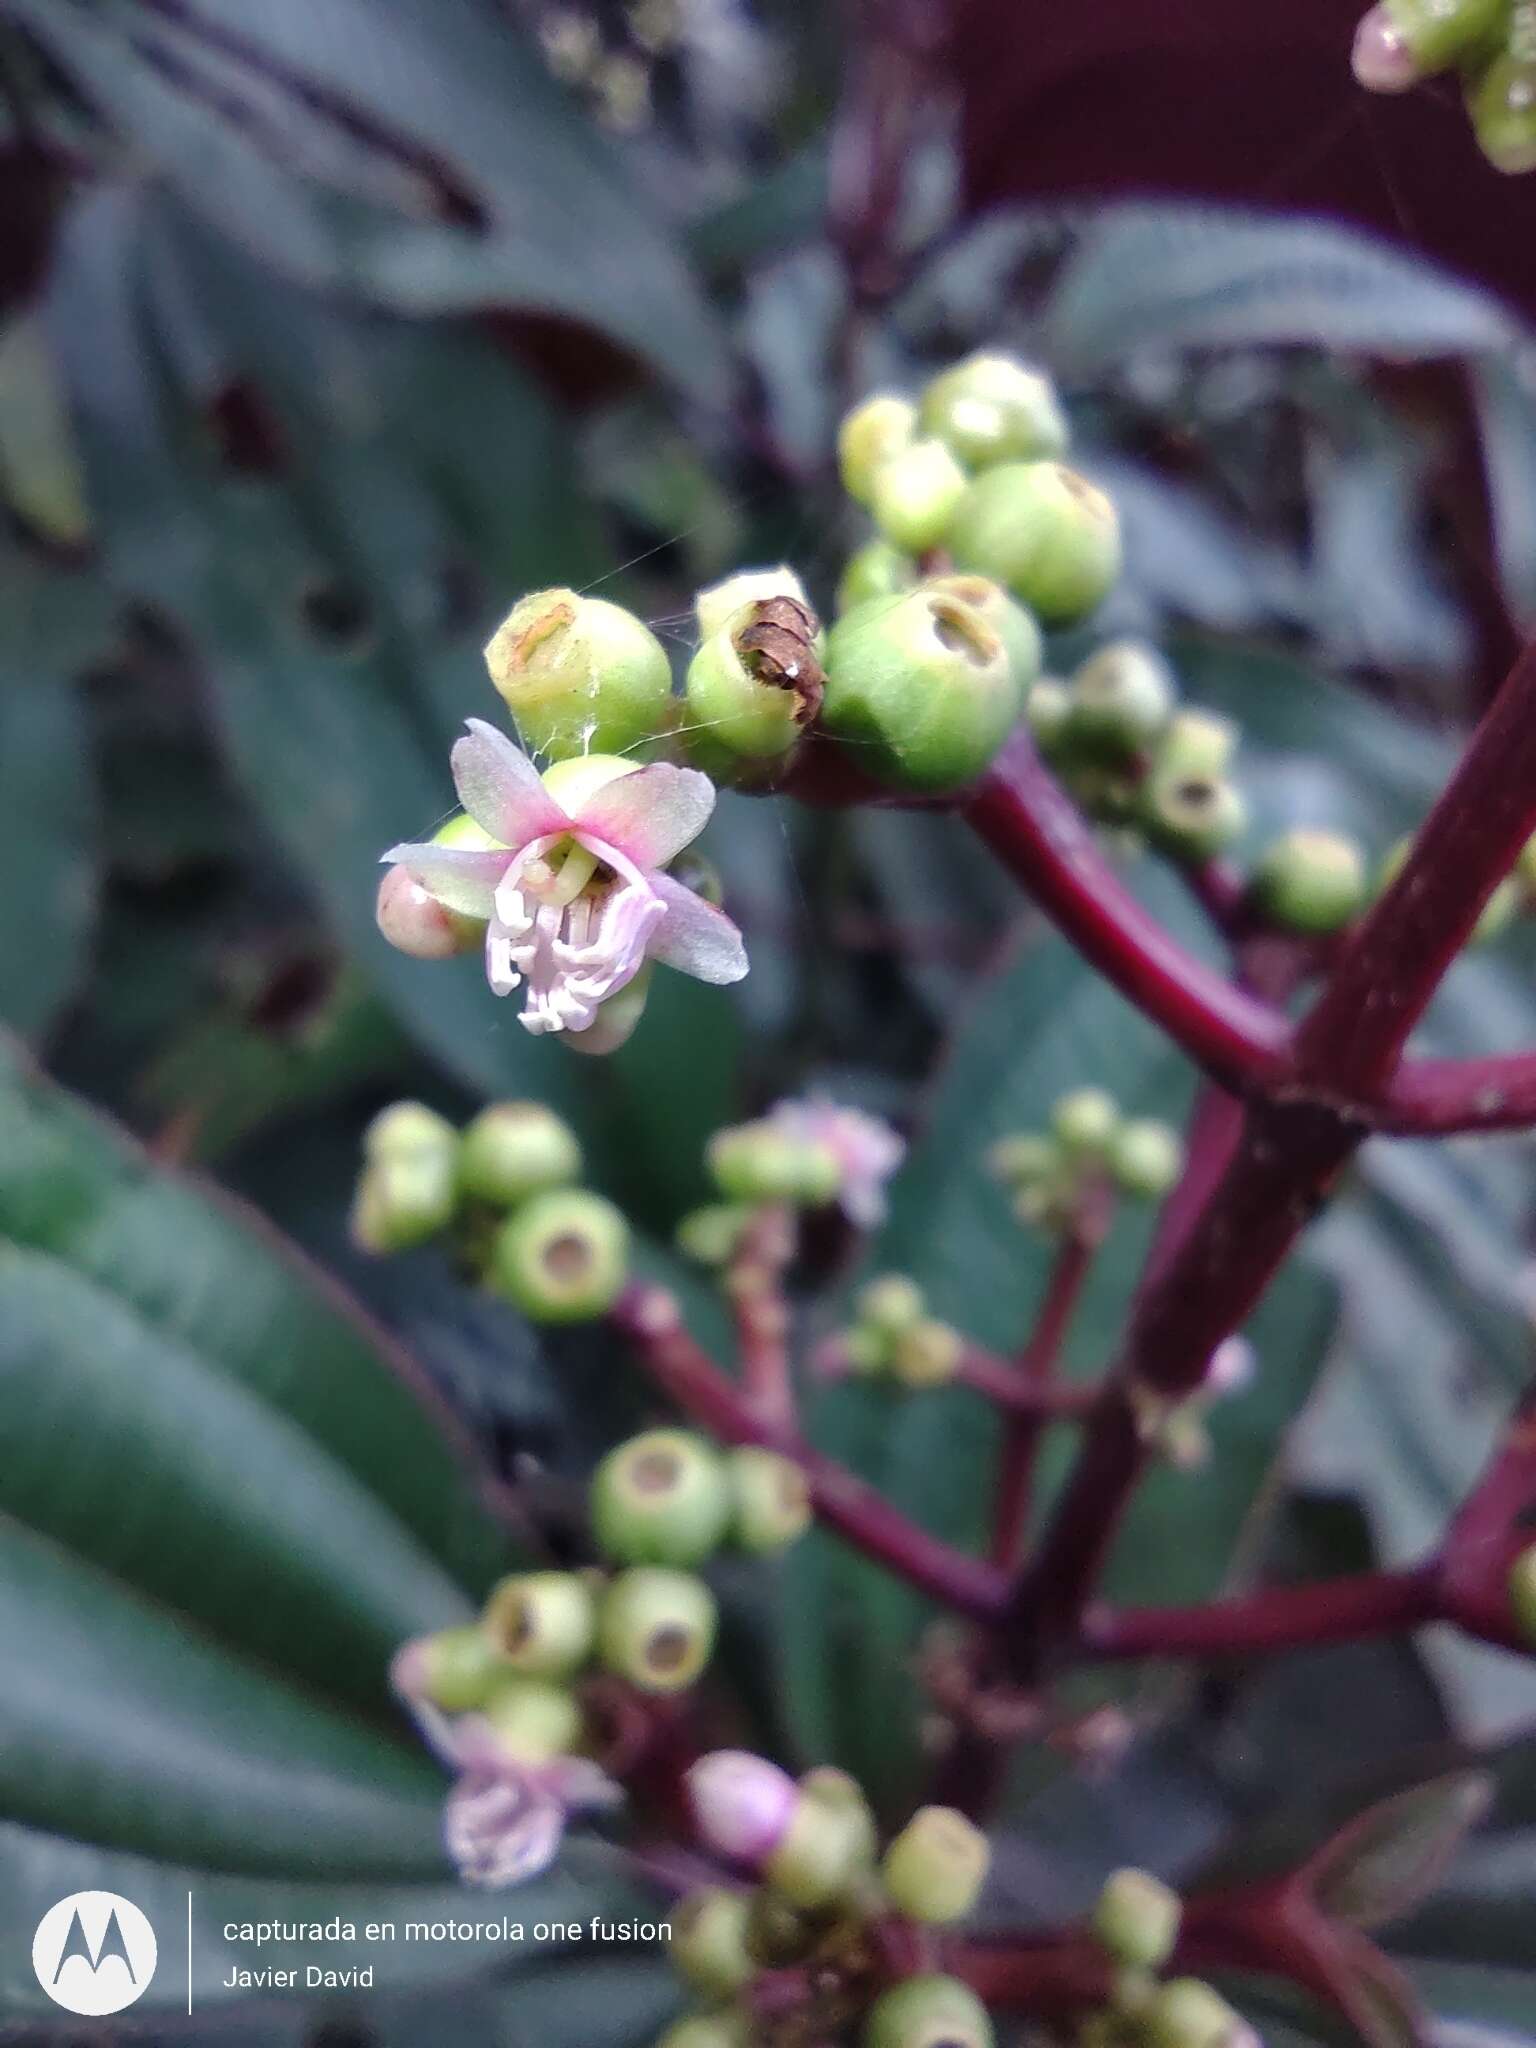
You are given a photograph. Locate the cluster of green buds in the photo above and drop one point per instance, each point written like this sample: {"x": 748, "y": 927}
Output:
{"x": 815, "y": 1886}
{"x": 894, "y": 1340}
{"x": 802, "y": 1155}
{"x": 504, "y": 1191}
{"x": 1136, "y": 1923}
{"x": 1490, "y": 43}
{"x": 1136, "y": 760}
{"x": 1051, "y": 1175}
{"x": 669, "y": 1498}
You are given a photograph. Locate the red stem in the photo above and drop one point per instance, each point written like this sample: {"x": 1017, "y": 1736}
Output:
{"x": 1282, "y": 1618}
{"x": 1032, "y": 1401}
{"x": 1437, "y": 1098}
{"x": 754, "y": 1286}
{"x": 1032, "y": 1371}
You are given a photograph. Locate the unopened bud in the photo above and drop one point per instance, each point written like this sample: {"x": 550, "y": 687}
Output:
{"x": 416, "y": 923}
{"x": 758, "y": 1162}
{"x": 1048, "y": 711}
{"x": 516, "y": 1149}
{"x": 1196, "y": 743}
{"x": 1191, "y": 817}
{"x": 1188, "y": 2013}
{"x": 991, "y": 408}
{"x": 580, "y": 676}
{"x": 1085, "y": 1122}
{"x": 1137, "y": 1919}
{"x": 406, "y": 1192}
{"x": 742, "y": 1805}
{"x": 1122, "y": 699}
{"x": 562, "y": 1257}
{"x": 1045, "y": 532}
{"x": 771, "y": 1503}
{"x": 1502, "y": 103}
{"x": 1012, "y": 624}
{"x": 661, "y": 1498}
{"x": 914, "y": 494}
{"x": 867, "y": 439}
{"x": 1311, "y": 882}
{"x": 890, "y": 1304}
{"x": 541, "y": 1623}
{"x": 838, "y": 1789}
{"x": 708, "y": 1948}
{"x": 755, "y": 685}
{"x": 1023, "y": 1159}
{"x": 820, "y": 1857}
{"x": 928, "y": 2012}
{"x": 710, "y": 1235}
{"x": 534, "y": 1722}
{"x": 1435, "y": 33}
{"x": 1145, "y": 1158}
{"x": 1382, "y": 60}
{"x": 456, "y": 1669}
{"x": 935, "y": 1868}
{"x": 657, "y": 1628}
{"x": 876, "y": 570}
{"x": 927, "y": 1355}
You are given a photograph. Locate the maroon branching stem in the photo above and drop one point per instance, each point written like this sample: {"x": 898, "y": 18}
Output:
{"x": 1036, "y": 830}
{"x": 1438, "y": 1098}
{"x": 754, "y": 1287}
{"x": 649, "y": 1318}
{"x": 1037, "y": 1362}
{"x": 1262, "y": 1624}
{"x": 1027, "y": 1401}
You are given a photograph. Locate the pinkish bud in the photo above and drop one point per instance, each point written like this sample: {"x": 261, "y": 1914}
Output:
{"x": 1383, "y": 60}
{"x": 1231, "y": 1367}
{"x": 742, "y": 1804}
{"x": 416, "y": 923}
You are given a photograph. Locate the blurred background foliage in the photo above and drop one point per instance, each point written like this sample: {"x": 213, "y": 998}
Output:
{"x": 325, "y": 330}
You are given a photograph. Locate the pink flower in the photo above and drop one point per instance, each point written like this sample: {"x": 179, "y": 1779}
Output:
{"x": 505, "y": 1818}
{"x": 573, "y": 891}
{"x": 867, "y": 1150}
{"x": 742, "y": 1804}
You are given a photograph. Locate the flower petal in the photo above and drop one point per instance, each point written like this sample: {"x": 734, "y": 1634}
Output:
{"x": 651, "y": 815}
{"x": 695, "y": 937}
{"x": 500, "y": 787}
{"x": 456, "y": 875}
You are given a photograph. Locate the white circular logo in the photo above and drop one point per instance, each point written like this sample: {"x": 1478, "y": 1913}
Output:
{"x": 94, "y": 1953}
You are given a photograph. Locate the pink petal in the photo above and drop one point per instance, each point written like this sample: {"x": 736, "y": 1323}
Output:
{"x": 651, "y": 815}
{"x": 456, "y": 875}
{"x": 695, "y": 937}
{"x": 500, "y": 787}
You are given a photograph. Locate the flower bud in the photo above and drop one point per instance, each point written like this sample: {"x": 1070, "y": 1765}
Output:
{"x": 1137, "y": 1919}
{"x": 534, "y": 1722}
{"x": 1048, "y": 708}
{"x": 409, "y": 1131}
{"x": 542, "y": 1623}
{"x": 1311, "y": 881}
{"x": 771, "y": 1505}
{"x": 1122, "y": 700}
{"x": 922, "y": 687}
{"x": 1382, "y": 60}
{"x": 1187, "y": 2013}
{"x": 876, "y": 570}
{"x": 1522, "y": 1593}
{"x": 935, "y": 1868}
{"x": 562, "y": 1257}
{"x": 709, "y": 2030}
{"x": 661, "y": 1498}
{"x": 990, "y": 408}
{"x": 866, "y": 1353}
{"x": 928, "y": 2012}
{"x": 1085, "y": 1121}
{"x": 406, "y": 1192}
{"x": 580, "y": 676}
{"x": 756, "y": 684}
{"x": 838, "y": 1789}
{"x": 516, "y": 1149}
{"x": 1008, "y": 619}
{"x": 1502, "y": 103}
{"x": 867, "y": 439}
{"x": 416, "y": 923}
{"x": 1196, "y": 743}
{"x": 456, "y": 1669}
{"x": 819, "y": 1859}
{"x": 757, "y": 1162}
{"x": 914, "y": 494}
{"x": 717, "y": 607}
{"x": 708, "y": 1948}
{"x": 710, "y": 1235}
{"x": 657, "y": 1628}
{"x": 927, "y": 1355}
{"x": 1436, "y": 32}
{"x": 1023, "y": 1158}
{"x": 742, "y": 1805}
{"x": 1191, "y": 817}
{"x": 890, "y": 1304}
{"x": 1047, "y": 533}
{"x": 1145, "y": 1158}
{"x": 1498, "y": 913}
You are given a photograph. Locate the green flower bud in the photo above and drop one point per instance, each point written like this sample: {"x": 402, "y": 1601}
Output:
{"x": 409, "y": 1131}
{"x": 580, "y": 676}
{"x": 708, "y": 1948}
{"x": 1023, "y": 1159}
{"x": 927, "y": 1355}
{"x": 1437, "y": 32}
{"x": 1122, "y": 700}
{"x": 990, "y": 408}
{"x": 457, "y": 1669}
{"x": 1522, "y": 1593}
{"x": 661, "y": 1498}
{"x": 922, "y": 687}
{"x": 755, "y": 685}
{"x": 891, "y": 1305}
{"x": 406, "y": 1192}
{"x": 935, "y": 1868}
{"x": 1008, "y": 619}
{"x": 1145, "y": 1158}
{"x": 914, "y": 494}
{"x": 1197, "y": 743}
{"x": 541, "y": 1623}
{"x": 877, "y": 570}
{"x": 819, "y": 1859}
{"x": 837, "y": 1789}
{"x": 1047, "y": 533}
{"x": 928, "y": 2012}
{"x": 1085, "y": 1122}
{"x": 869, "y": 436}
{"x": 709, "y": 2030}
{"x": 716, "y": 609}
{"x": 866, "y": 1353}
{"x": 757, "y": 1162}
{"x": 1137, "y": 1919}
{"x": 516, "y": 1149}
{"x": 710, "y": 1235}
{"x": 1048, "y": 708}
{"x": 1311, "y": 881}
{"x": 1187, "y": 2013}
{"x": 534, "y": 1722}
{"x": 1191, "y": 817}
{"x": 563, "y": 1257}
{"x": 414, "y": 922}
{"x": 657, "y": 1628}
{"x": 772, "y": 1507}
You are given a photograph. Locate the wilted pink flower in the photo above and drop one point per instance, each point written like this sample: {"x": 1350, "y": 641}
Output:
{"x": 867, "y": 1150}
{"x": 742, "y": 1804}
{"x": 573, "y": 889}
